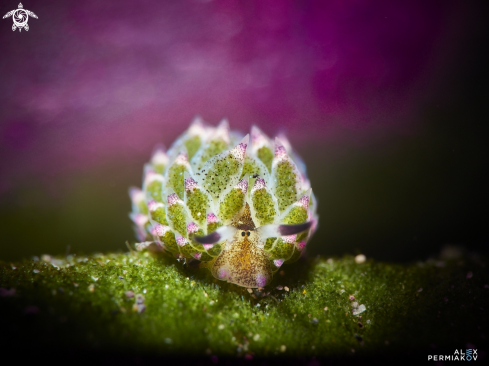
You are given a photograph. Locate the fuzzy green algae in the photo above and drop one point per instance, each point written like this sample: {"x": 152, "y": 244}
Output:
{"x": 313, "y": 308}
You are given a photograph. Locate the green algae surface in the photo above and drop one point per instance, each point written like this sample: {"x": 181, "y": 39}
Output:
{"x": 322, "y": 307}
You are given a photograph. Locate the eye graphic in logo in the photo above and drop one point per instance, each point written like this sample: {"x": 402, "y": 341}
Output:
{"x": 20, "y": 17}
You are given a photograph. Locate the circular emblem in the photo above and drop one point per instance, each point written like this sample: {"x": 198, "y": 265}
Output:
{"x": 20, "y": 18}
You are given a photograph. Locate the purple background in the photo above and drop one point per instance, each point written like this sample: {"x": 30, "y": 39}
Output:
{"x": 88, "y": 91}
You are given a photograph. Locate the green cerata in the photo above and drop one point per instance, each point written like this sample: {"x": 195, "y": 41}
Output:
{"x": 241, "y": 206}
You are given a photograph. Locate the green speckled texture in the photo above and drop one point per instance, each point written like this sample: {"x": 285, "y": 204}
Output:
{"x": 264, "y": 206}
{"x": 296, "y": 215}
{"x": 266, "y": 156}
{"x": 252, "y": 167}
{"x": 232, "y": 203}
{"x": 154, "y": 190}
{"x": 223, "y": 173}
{"x": 213, "y": 148}
{"x": 215, "y": 250}
{"x": 176, "y": 178}
{"x": 187, "y": 250}
{"x": 178, "y": 217}
{"x": 412, "y": 310}
{"x": 213, "y": 226}
{"x": 285, "y": 184}
{"x": 281, "y": 250}
{"x": 169, "y": 241}
{"x": 269, "y": 243}
{"x": 192, "y": 144}
{"x": 197, "y": 203}
{"x": 159, "y": 215}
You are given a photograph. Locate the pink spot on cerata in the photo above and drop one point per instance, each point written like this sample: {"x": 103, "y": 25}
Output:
{"x": 172, "y": 199}
{"x": 211, "y": 218}
{"x": 139, "y": 219}
{"x": 259, "y": 184}
{"x": 261, "y": 280}
{"x": 159, "y": 157}
{"x": 278, "y": 262}
{"x": 239, "y": 151}
{"x": 197, "y": 255}
{"x": 243, "y": 185}
{"x": 192, "y": 227}
{"x": 152, "y": 205}
{"x": 136, "y": 195}
{"x": 280, "y": 151}
{"x": 190, "y": 184}
{"x": 181, "y": 159}
{"x": 301, "y": 245}
{"x": 222, "y": 273}
{"x": 304, "y": 202}
{"x": 150, "y": 175}
{"x": 181, "y": 240}
{"x": 208, "y": 246}
{"x": 284, "y": 141}
{"x": 160, "y": 230}
{"x": 289, "y": 238}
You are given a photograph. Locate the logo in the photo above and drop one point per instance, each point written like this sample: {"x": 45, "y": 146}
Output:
{"x": 20, "y": 17}
{"x": 459, "y": 355}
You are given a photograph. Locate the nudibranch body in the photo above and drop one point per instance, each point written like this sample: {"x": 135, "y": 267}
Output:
{"x": 242, "y": 208}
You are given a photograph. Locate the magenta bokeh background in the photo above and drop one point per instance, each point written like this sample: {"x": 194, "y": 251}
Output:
{"x": 94, "y": 81}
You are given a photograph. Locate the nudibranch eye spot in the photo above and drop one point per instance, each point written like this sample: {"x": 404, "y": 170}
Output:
{"x": 242, "y": 206}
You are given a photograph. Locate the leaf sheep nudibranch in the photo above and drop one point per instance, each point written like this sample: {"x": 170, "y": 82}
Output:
{"x": 243, "y": 208}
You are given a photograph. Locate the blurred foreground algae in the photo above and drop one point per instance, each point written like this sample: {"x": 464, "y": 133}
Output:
{"x": 149, "y": 304}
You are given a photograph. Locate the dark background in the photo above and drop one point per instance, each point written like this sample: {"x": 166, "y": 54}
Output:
{"x": 387, "y": 103}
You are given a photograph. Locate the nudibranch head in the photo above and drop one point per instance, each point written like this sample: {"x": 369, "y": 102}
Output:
{"x": 242, "y": 206}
